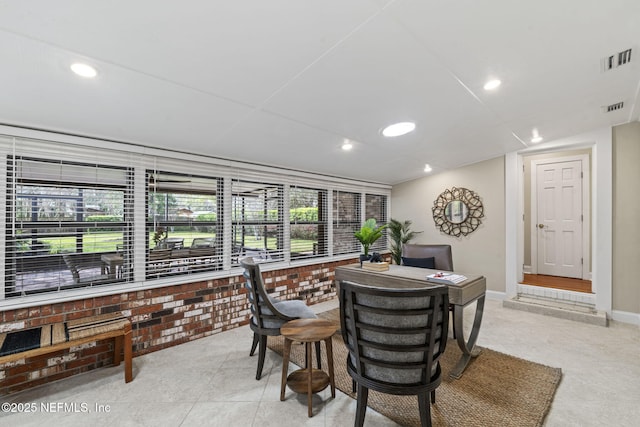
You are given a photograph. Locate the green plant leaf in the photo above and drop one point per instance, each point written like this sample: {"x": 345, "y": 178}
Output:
{"x": 369, "y": 233}
{"x": 399, "y": 234}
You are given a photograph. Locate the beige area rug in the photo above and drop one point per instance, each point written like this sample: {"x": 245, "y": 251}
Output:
{"x": 495, "y": 390}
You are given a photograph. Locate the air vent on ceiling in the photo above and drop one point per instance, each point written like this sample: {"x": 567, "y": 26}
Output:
{"x": 614, "y": 61}
{"x": 614, "y": 107}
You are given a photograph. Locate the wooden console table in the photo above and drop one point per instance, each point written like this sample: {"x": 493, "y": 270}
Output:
{"x": 460, "y": 295}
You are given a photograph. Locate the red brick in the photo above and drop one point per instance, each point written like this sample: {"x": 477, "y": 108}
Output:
{"x": 17, "y": 379}
{"x": 52, "y": 319}
{"x": 21, "y": 314}
{"x": 8, "y": 316}
{"x": 27, "y": 367}
{"x": 79, "y": 314}
{"x": 79, "y": 363}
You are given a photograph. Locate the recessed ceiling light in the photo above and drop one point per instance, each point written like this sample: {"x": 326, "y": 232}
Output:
{"x": 492, "y": 84}
{"x": 535, "y": 136}
{"x": 427, "y": 168}
{"x": 84, "y": 70}
{"x": 347, "y": 145}
{"x": 398, "y": 129}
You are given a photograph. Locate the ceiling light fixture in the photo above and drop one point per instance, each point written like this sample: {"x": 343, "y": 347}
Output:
{"x": 84, "y": 70}
{"x": 347, "y": 145}
{"x": 398, "y": 129}
{"x": 535, "y": 137}
{"x": 427, "y": 168}
{"x": 492, "y": 84}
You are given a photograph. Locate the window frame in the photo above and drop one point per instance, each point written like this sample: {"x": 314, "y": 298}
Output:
{"x": 321, "y": 247}
{"x": 347, "y": 218}
{"x": 376, "y": 208}
{"x": 262, "y": 192}
{"x": 184, "y": 259}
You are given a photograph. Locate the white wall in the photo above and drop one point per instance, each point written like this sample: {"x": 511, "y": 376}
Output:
{"x": 481, "y": 252}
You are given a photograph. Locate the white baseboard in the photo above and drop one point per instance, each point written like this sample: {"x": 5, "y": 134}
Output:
{"x": 626, "y": 317}
{"x": 496, "y": 295}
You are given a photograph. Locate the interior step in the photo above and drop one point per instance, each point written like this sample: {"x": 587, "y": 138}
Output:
{"x": 579, "y": 312}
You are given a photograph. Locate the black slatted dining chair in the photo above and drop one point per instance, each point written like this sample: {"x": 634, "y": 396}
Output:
{"x": 395, "y": 338}
{"x": 268, "y": 314}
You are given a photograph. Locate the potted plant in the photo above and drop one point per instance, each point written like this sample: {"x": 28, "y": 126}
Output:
{"x": 399, "y": 234}
{"x": 368, "y": 234}
{"x": 159, "y": 235}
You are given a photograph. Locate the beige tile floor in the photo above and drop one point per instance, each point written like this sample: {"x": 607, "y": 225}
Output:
{"x": 211, "y": 381}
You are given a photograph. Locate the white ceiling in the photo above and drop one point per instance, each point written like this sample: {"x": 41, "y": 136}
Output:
{"x": 284, "y": 82}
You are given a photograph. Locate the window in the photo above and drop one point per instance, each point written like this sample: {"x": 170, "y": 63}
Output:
{"x": 184, "y": 225}
{"x": 62, "y": 217}
{"x": 308, "y": 222}
{"x": 346, "y": 221}
{"x": 257, "y": 221}
{"x": 376, "y": 208}
{"x": 82, "y": 214}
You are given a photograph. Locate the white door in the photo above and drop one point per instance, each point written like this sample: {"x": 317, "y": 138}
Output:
{"x": 559, "y": 218}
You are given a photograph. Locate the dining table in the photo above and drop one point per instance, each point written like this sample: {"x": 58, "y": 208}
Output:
{"x": 472, "y": 289}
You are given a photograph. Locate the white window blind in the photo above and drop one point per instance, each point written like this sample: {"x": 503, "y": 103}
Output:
{"x": 346, "y": 221}
{"x": 184, "y": 225}
{"x": 65, "y": 212}
{"x": 375, "y": 207}
{"x": 308, "y": 222}
{"x": 257, "y": 221}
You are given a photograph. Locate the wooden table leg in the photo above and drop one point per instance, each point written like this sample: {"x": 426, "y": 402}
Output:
{"x": 285, "y": 366}
{"x": 310, "y": 379}
{"x": 128, "y": 356}
{"x": 117, "y": 349}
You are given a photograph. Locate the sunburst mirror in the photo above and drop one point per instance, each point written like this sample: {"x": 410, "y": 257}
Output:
{"x": 457, "y": 212}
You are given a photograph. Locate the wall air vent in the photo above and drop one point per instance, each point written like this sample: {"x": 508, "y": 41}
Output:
{"x": 624, "y": 57}
{"x": 613, "y": 107}
{"x": 616, "y": 60}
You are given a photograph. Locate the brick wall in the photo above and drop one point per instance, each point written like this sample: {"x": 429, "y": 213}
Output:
{"x": 160, "y": 318}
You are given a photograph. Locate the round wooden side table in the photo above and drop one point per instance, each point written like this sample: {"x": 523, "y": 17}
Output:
{"x": 308, "y": 380}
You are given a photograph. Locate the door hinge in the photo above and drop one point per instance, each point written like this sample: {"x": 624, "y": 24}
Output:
{"x": 582, "y": 261}
{"x": 581, "y": 218}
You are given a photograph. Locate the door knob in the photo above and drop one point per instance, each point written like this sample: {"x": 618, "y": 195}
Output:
{"x": 540, "y": 225}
